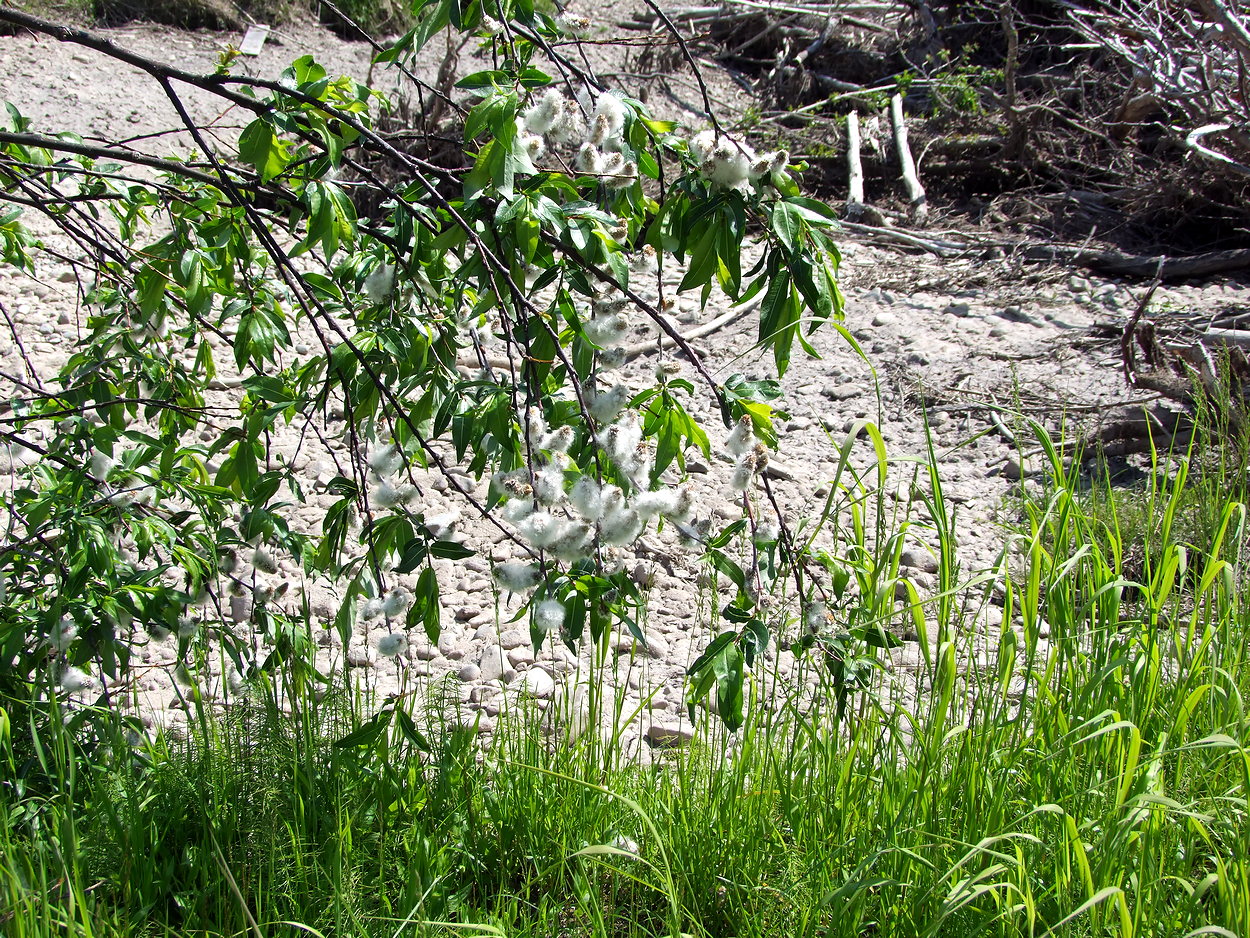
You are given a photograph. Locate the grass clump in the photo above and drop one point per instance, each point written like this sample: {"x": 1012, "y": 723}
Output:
{"x": 1079, "y": 768}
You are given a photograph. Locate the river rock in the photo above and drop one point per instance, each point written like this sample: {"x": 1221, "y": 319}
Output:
{"x": 669, "y": 736}
{"x": 537, "y": 683}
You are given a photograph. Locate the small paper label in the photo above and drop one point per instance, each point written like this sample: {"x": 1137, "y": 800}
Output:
{"x": 254, "y": 40}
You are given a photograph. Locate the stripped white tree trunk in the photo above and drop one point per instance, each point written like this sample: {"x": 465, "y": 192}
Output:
{"x": 854, "y": 168}
{"x": 911, "y": 180}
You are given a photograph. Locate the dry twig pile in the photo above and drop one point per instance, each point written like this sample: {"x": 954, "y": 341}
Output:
{"x": 1122, "y": 122}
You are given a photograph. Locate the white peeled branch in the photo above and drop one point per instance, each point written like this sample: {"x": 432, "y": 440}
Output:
{"x": 854, "y": 168}
{"x": 911, "y": 179}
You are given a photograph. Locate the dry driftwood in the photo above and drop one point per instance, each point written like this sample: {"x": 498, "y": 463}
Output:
{"x": 1191, "y": 69}
{"x": 942, "y": 247}
{"x": 1234, "y": 29}
{"x": 1163, "y": 354}
{"x": 911, "y": 179}
{"x": 1124, "y": 435}
{"x": 854, "y": 169}
{"x": 882, "y": 13}
{"x": 1239, "y": 338}
{"x": 1193, "y": 142}
{"x": 1135, "y": 266}
{"x": 1141, "y": 265}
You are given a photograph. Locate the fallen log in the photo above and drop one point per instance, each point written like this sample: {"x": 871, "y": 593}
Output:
{"x": 901, "y": 236}
{"x": 1140, "y": 265}
{"x": 1233, "y": 28}
{"x": 1136, "y": 266}
{"x": 1235, "y": 337}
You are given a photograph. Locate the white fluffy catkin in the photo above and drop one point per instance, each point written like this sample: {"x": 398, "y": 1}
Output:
{"x": 396, "y": 602}
{"x": 607, "y": 405}
{"x": 587, "y": 497}
{"x": 545, "y": 113}
{"x": 742, "y": 439}
{"x": 549, "y": 484}
{"x": 392, "y": 644}
{"x": 607, "y": 331}
{"x": 573, "y": 543}
{"x": 517, "y": 576}
{"x": 611, "y": 111}
{"x": 650, "y": 504}
{"x": 541, "y": 529}
{"x": 549, "y": 615}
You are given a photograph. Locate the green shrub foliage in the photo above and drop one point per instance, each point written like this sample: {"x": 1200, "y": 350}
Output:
{"x": 478, "y": 310}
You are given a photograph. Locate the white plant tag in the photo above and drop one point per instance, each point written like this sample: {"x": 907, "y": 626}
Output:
{"x": 254, "y": 40}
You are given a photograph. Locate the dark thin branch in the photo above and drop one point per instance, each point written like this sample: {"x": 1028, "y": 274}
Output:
{"x": 126, "y": 156}
{"x": 1130, "y": 330}
{"x": 21, "y": 348}
{"x": 310, "y": 302}
{"x": 689, "y": 57}
{"x": 379, "y": 48}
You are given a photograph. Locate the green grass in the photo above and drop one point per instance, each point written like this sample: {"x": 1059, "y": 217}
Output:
{"x": 1088, "y": 776}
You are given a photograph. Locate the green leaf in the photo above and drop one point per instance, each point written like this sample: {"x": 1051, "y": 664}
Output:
{"x": 717, "y": 645}
{"x": 761, "y": 420}
{"x": 490, "y": 116}
{"x": 814, "y": 211}
{"x": 780, "y": 314}
{"x": 533, "y": 78}
{"x": 304, "y": 71}
{"x": 426, "y": 605}
{"x": 647, "y": 165}
{"x": 877, "y": 636}
{"x": 574, "y": 617}
{"x": 345, "y": 619}
{"x": 151, "y": 284}
{"x": 412, "y": 555}
{"x": 703, "y": 259}
{"x": 259, "y": 147}
{"x": 728, "y": 567}
{"x": 600, "y": 619}
{"x": 754, "y": 638}
{"x": 787, "y": 224}
{"x": 367, "y": 732}
{"x": 763, "y": 389}
{"x": 450, "y": 550}
{"x": 729, "y": 683}
{"x": 490, "y": 79}
{"x": 728, "y": 534}
{"x": 431, "y": 24}
{"x": 322, "y": 286}
{"x": 818, "y": 301}
{"x": 410, "y": 731}
{"x": 659, "y": 127}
